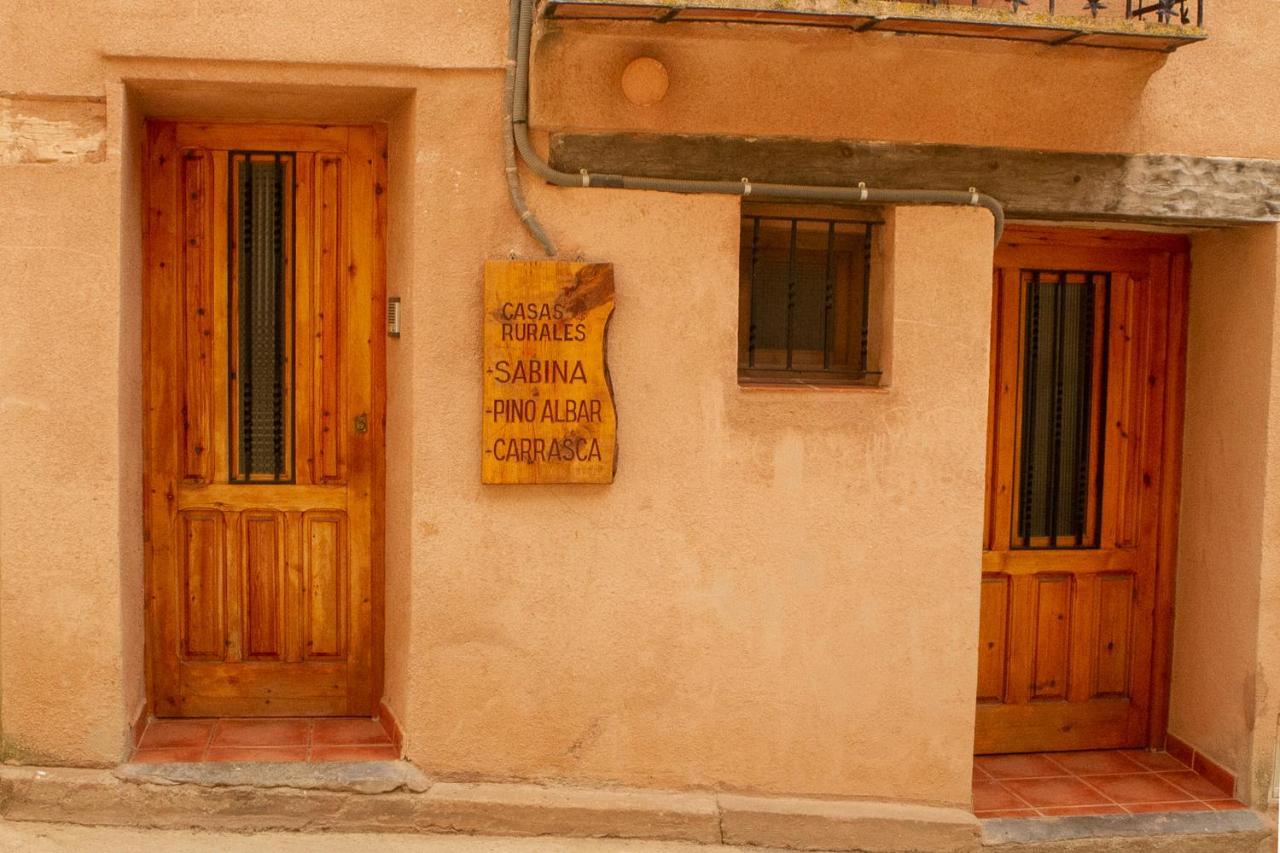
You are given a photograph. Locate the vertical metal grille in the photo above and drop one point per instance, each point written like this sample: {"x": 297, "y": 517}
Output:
{"x": 1062, "y": 402}
{"x": 261, "y": 212}
{"x": 806, "y": 300}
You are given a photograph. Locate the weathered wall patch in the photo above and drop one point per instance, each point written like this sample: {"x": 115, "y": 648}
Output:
{"x": 52, "y": 130}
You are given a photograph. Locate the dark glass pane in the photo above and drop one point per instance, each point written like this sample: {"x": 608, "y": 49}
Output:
{"x": 773, "y": 279}
{"x": 1059, "y": 421}
{"x": 807, "y": 284}
{"x": 260, "y": 219}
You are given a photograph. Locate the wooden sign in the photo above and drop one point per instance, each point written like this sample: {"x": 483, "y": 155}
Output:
{"x": 548, "y": 402}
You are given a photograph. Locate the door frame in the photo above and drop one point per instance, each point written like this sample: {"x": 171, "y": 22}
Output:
{"x": 1166, "y": 546}
{"x": 265, "y": 136}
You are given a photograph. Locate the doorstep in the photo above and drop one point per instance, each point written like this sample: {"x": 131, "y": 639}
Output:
{"x": 1100, "y": 782}
{"x": 258, "y": 739}
{"x": 1173, "y": 832}
{"x": 358, "y": 777}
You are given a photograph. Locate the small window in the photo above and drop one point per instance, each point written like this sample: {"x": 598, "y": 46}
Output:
{"x": 807, "y": 297}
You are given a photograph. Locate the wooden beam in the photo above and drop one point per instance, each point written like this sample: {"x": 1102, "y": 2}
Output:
{"x": 1042, "y": 185}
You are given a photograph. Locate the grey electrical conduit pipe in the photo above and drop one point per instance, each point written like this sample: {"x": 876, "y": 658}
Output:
{"x": 517, "y": 93}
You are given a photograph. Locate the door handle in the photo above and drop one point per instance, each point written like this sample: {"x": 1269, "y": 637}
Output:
{"x": 362, "y": 423}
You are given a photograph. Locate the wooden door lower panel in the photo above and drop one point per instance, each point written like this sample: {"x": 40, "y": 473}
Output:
{"x": 289, "y": 572}
{"x": 1059, "y": 726}
{"x": 1056, "y": 660}
{"x": 312, "y": 688}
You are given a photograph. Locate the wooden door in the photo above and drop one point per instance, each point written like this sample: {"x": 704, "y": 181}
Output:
{"x": 263, "y": 360}
{"x": 1085, "y": 412}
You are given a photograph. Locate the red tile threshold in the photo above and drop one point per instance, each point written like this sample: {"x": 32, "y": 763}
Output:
{"x": 1093, "y": 783}
{"x": 263, "y": 740}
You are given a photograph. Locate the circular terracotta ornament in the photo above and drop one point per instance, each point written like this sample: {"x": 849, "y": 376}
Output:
{"x": 645, "y": 81}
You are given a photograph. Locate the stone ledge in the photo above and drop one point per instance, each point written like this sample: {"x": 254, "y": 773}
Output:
{"x": 872, "y": 827}
{"x": 514, "y": 809}
{"x": 154, "y": 797}
{"x": 1175, "y": 832}
{"x": 236, "y": 802}
{"x": 359, "y": 777}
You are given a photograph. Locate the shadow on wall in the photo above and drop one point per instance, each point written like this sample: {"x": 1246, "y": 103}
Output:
{"x": 744, "y": 79}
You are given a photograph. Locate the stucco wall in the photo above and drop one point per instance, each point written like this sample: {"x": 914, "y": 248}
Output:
{"x": 60, "y": 475}
{"x": 778, "y": 587}
{"x": 779, "y": 593}
{"x": 1224, "y": 626}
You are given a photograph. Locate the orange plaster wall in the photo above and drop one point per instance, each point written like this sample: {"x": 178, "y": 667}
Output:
{"x": 781, "y": 589}
{"x": 778, "y": 591}
{"x": 61, "y": 545}
{"x": 1224, "y": 640}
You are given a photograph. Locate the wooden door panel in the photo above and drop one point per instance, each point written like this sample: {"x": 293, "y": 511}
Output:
{"x": 1067, "y": 624}
{"x": 323, "y": 193}
{"x": 1056, "y": 726}
{"x": 203, "y": 573}
{"x": 196, "y": 275}
{"x": 326, "y": 584}
{"x": 1113, "y": 649}
{"x": 1051, "y": 659}
{"x": 266, "y": 689}
{"x": 993, "y": 637}
{"x": 264, "y": 584}
{"x": 262, "y": 560}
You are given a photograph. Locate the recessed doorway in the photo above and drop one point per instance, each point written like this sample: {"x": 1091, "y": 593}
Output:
{"x": 264, "y": 392}
{"x": 1085, "y": 415}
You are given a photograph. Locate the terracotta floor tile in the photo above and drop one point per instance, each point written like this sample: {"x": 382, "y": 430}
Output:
{"x": 349, "y": 732}
{"x": 168, "y": 755}
{"x": 1006, "y": 813}
{"x": 992, "y": 796}
{"x": 261, "y": 733}
{"x": 1019, "y": 766}
{"x": 1155, "y": 760}
{"x": 980, "y": 775}
{"x": 1138, "y": 788}
{"x": 1196, "y": 785}
{"x": 1095, "y": 763}
{"x": 1066, "y": 791}
{"x": 257, "y": 754}
{"x": 1069, "y": 811}
{"x": 323, "y": 752}
{"x": 168, "y": 733}
{"x": 1226, "y": 805}
{"x": 1154, "y": 808}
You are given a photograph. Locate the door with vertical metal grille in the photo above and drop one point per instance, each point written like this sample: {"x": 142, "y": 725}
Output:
{"x": 1074, "y": 626}
{"x": 263, "y": 432}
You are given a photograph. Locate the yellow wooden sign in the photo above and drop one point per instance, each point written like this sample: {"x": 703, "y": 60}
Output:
{"x": 548, "y": 401}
